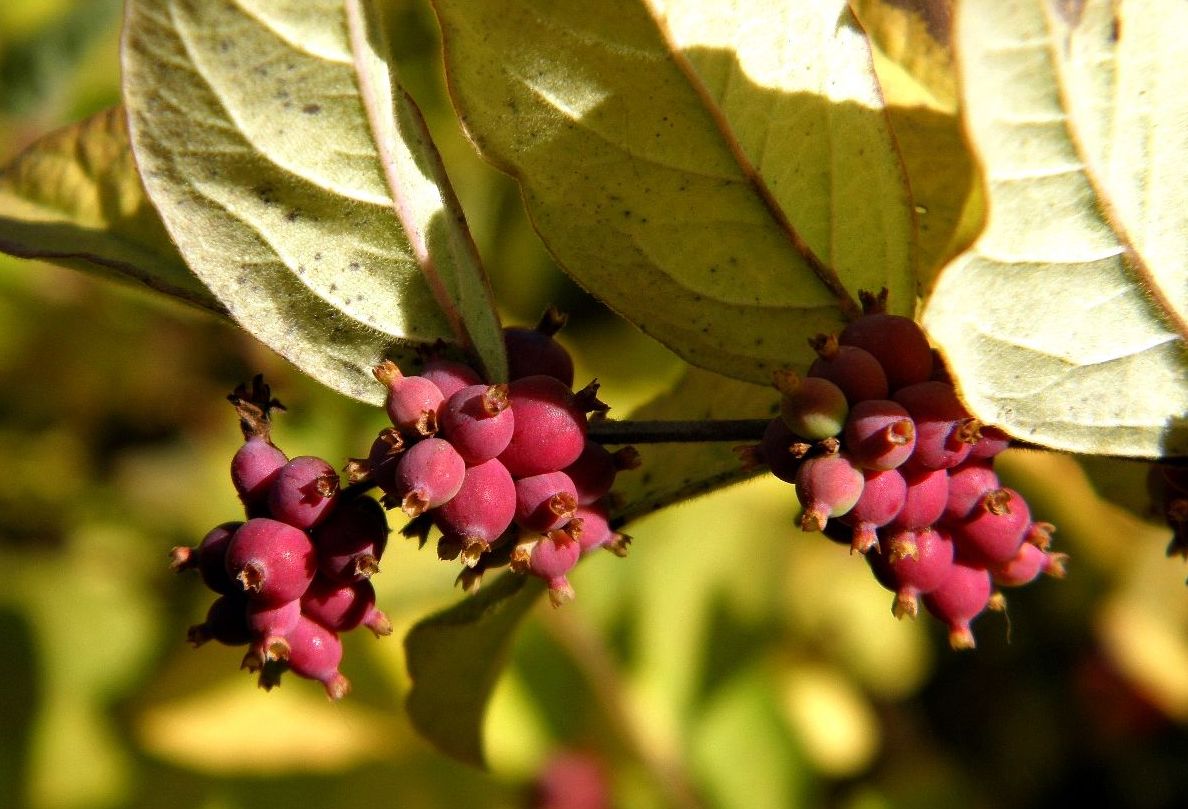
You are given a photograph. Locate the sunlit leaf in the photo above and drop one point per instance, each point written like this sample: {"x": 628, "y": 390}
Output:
{"x": 299, "y": 182}
{"x": 720, "y": 173}
{"x": 1066, "y": 322}
{"x": 454, "y": 659}
{"x": 74, "y": 198}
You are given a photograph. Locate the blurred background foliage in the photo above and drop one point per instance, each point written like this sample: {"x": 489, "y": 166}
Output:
{"x": 730, "y": 661}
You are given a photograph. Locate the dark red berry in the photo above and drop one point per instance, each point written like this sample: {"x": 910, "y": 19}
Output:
{"x": 273, "y": 561}
{"x": 304, "y": 492}
{"x": 532, "y": 351}
{"x": 968, "y": 484}
{"x": 781, "y": 450}
{"x": 427, "y": 475}
{"x": 550, "y": 427}
{"x": 210, "y": 557}
{"x": 879, "y": 434}
{"x": 478, "y": 421}
{"x": 899, "y": 345}
{"x": 449, "y": 376}
{"x": 827, "y": 486}
{"x": 593, "y": 473}
{"x": 945, "y": 431}
{"x": 855, "y": 370}
{"x": 351, "y": 540}
{"x": 226, "y": 622}
{"x": 385, "y": 452}
{"x": 270, "y": 625}
{"x": 412, "y": 401}
{"x": 342, "y": 607}
{"x": 920, "y": 562}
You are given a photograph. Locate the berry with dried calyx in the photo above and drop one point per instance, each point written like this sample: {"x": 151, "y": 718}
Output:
{"x": 481, "y": 511}
{"x": 315, "y": 653}
{"x": 882, "y": 498}
{"x": 897, "y": 342}
{"x": 412, "y": 401}
{"x": 272, "y": 561}
{"x": 593, "y": 473}
{"x": 827, "y": 486}
{"x": 342, "y": 607}
{"x": 592, "y": 529}
{"x": 254, "y": 468}
{"x": 304, "y": 492}
{"x": 855, "y": 370}
{"x": 209, "y": 557}
{"x": 270, "y": 625}
{"x": 780, "y": 449}
{"x": 879, "y": 434}
{"x": 993, "y": 441}
{"x": 995, "y": 528}
{"x": 536, "y": 351}
{"x": 427, "y": 475}
{"x": 226, "y": 622}
{"x": 478, "y": 421}
{"x": 960, "y": 598}
{"x": 545, "y": 502}
{"x": 945, "y": 431}
{"x": 1028, "y": 563}
{"x": 920, "y": 561}
{"x": 351, "y": 541}
{"x": 550, "y": 558}
{"x": 550, "y": 427}
{"x": 969, "y": 483}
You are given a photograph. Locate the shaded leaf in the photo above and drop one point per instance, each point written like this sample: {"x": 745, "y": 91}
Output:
{"x": 1066, "y": 321}
{"x": 454, "y": 658}
{"x": 299, "y": 182}
{"x": 74, "y": 198}
{"x": 736, "y": 167}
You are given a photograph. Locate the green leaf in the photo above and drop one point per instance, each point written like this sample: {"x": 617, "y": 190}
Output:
{"x": 74, "y": 198}
{"x": 300, "y": 184}
{"x": 674, "y": 472}
{"x": 1066, "y": 322}
{"x": 455, "y": 657}
{"x": 727, "y": 181}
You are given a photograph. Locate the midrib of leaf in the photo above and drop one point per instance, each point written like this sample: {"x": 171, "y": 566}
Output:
{"x": 823, "y": 271}
{"x": 377, "y": 114}
{"x": 1132, "y": 257}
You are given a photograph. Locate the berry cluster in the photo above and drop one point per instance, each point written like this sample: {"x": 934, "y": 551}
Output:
{"x": 504, "y": 471}
{"x": 885, "y": 458}
{"x": 297, "y": 572}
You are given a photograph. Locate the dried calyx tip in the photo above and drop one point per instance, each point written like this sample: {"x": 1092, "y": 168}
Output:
{"x": 786, "y": 381}
{"x": 182, "y": 558}
{"x": 587, "y": 399}
{"x": 254, "y": 406}
{"x": 626, "y": 458}
{"x": 873, "y": 303}
{"x": 387, "y": 372}
{"x": 552, "y": 321}
{"x": 826, "y": 345}
{"x": 495, "y": 399}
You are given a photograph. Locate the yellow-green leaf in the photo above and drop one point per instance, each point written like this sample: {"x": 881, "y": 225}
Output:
{"x": 74, "y": 198}
{"x": 1066, "y": 322}
{"x": 720, "y": 173}
{"x": 300, "y": 184}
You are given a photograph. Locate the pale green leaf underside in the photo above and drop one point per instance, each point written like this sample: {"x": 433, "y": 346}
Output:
{"x": 1065, "y": 323}
{"x": 455, "y": 656}
{"x": 299, "y": 183}
{"x": 74, "y": 198}
{"x": 682, "y": 160}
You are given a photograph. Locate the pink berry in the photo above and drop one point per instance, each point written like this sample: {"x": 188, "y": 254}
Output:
{"x": 304, "y": 492}
{"x": 478, "y": 421}
{"x": 427, "y": 475}
{"x": 882, "y": 498}
{"x": 572, "y": 780}
{"x": 412, "y": 401}
{"x": 449, "y": 376}
{"x": 315, "y": 653}
{"x": 342, "y": 607}
{"x": 545, "y": 502}
{"x": 351, "y": 540}
{"x": 992, "y": 442}
{"x": 968, "y": 484}
{"x": 594, "y": 530}
{"x": 879, "y": 434}
{"x": 532, "y": 351}
{"x": 481, "y": 510}
{"x": 827, "y": 486}
{"x": 209, "y": 557}
{"x": 896, "y": 342}
{"x": 945, "y": 432}
{"x": 812, "y": 407}
{"x": 920, "y": 562}
{"x": 995, "y": 529}
{"x": 550, "y": 558}
{"x": 270, "y": 624}
{"x": 924, "y": 503}
{"x": 855, "y": 370}
{"x": 272, "y": 561}
{"x": 1026, "y": 566}
{"x": 781, "y": 449}
{"x": 959, "y": 599}
{"x": 550, "y": 427}
{"x": 254, "y": 467}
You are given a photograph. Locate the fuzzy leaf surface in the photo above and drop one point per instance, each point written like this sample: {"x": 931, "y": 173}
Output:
{"x": 74, "y": 198}
{"x": 1066, "y": 323}
{"x": 299, "y": 182}
{"x": 720, "y": 173}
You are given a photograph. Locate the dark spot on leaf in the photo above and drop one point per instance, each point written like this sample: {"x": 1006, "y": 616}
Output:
{"x": 225, "y": 45}
{"x": 317, "y": 256}
{"x": 353, "y": 266}
{"x": 334, "y": 287}
{"x": 292, "y": 216}
{"x": 312, "y": 109}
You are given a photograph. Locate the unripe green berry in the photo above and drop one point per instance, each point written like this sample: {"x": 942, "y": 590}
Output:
{"x": 812, "y": 407}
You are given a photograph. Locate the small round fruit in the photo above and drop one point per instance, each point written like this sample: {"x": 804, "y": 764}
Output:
{"x": 827, "y": 486}
{"x": 315, "y": 653}
{"x": 897, "y": 342}
{"x": 272, "y": 561}
{"x": 304, "y": 492}
{"x": 550, "y": 427}
{"x": 813, "y": 407}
